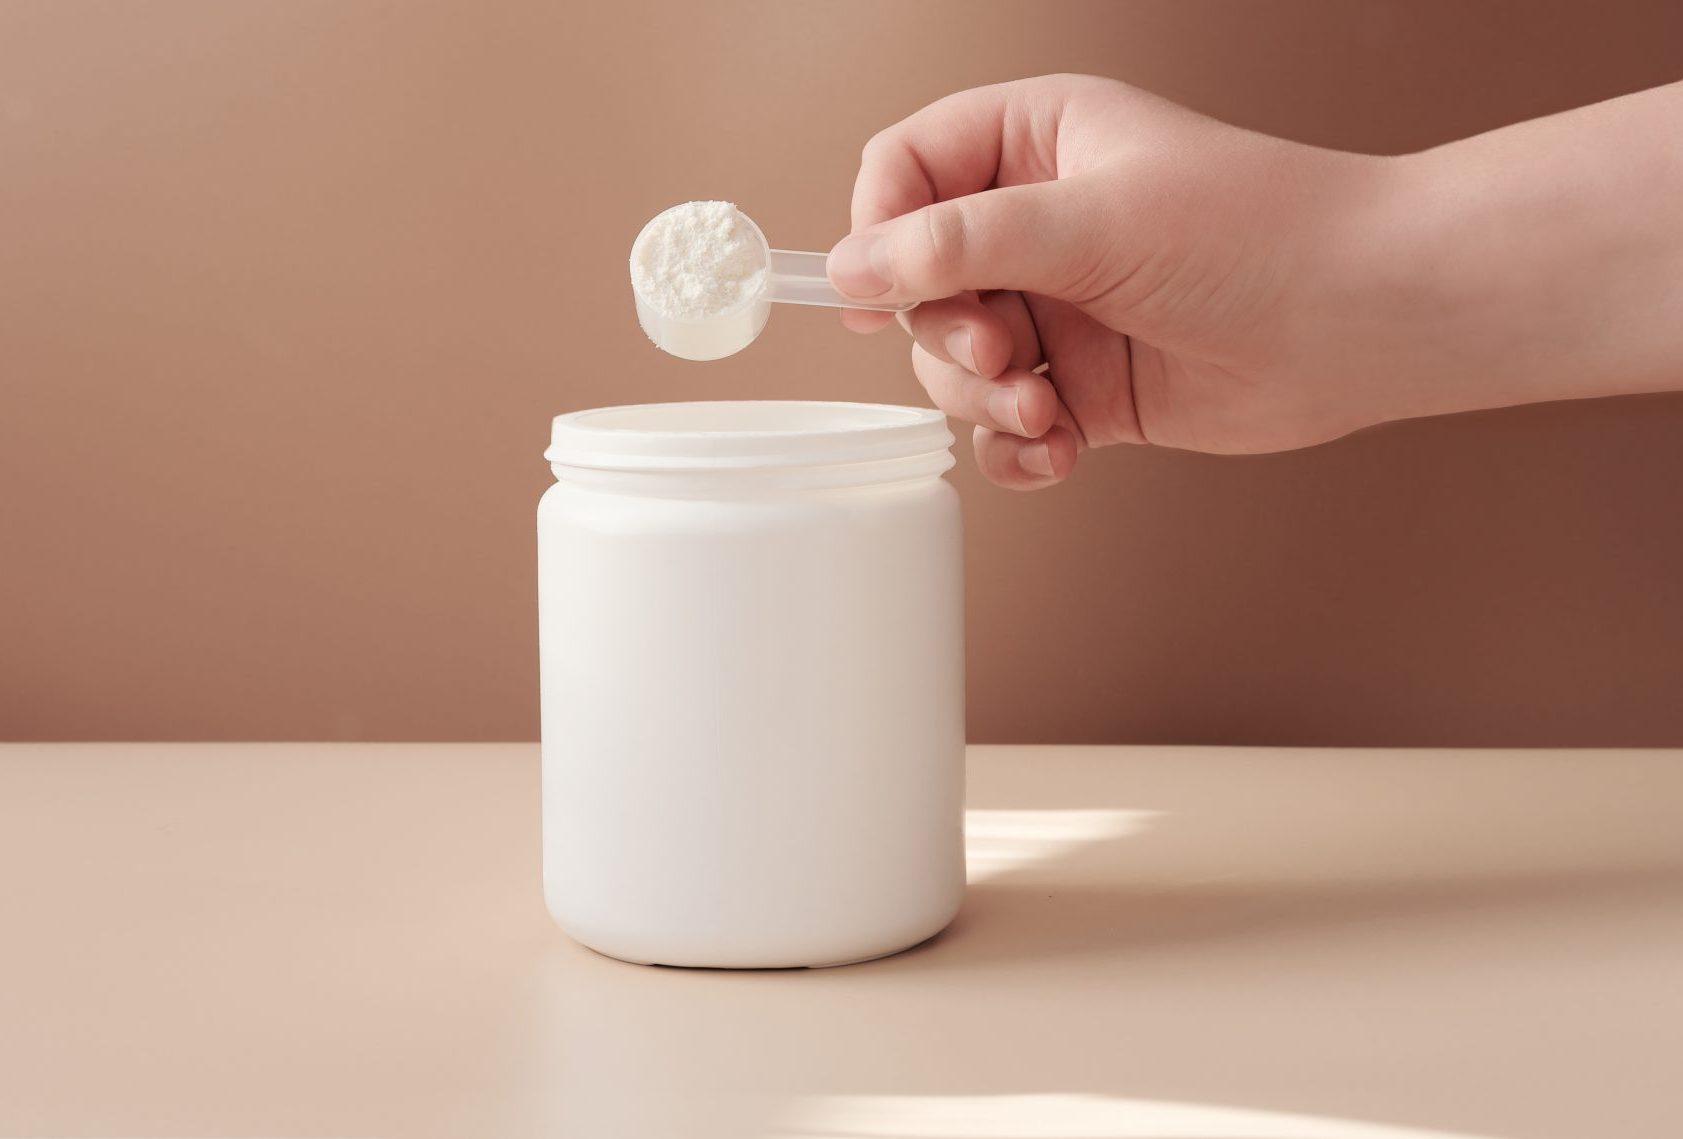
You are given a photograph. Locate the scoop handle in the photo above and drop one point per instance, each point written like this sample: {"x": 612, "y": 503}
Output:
{"x": 796, "y": 278}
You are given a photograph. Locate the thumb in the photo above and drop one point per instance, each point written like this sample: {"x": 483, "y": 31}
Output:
{"x": 1041, "y": 238}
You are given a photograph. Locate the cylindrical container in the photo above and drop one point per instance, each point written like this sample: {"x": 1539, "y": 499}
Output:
{"x": 752, "y": 656}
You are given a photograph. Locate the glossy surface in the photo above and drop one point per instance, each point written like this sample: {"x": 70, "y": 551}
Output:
{"x": 350, "y": 940}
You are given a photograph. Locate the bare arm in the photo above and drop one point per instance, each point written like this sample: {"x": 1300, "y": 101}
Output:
{"x": 1098, "y": 266}
{"x": 1541, "y": 261}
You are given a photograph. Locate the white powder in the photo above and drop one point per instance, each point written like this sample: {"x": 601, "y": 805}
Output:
{"x": 697, "y": 261}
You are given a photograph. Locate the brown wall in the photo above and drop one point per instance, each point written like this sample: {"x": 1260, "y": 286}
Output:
{"x": 289, "y": 290}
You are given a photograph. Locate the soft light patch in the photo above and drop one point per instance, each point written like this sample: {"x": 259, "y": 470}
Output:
{"x": 999, "y": 841}
{"x": 1060, "y": 1116}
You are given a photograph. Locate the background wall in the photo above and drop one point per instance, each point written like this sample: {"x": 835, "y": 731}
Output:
{"x": 289, "y": 290}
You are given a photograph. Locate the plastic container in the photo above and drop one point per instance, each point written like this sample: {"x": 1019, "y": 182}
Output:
{"x": 752, "y": 659}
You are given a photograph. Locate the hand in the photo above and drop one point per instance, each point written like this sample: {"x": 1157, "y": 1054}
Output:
{"x": 1153, "y": 259}
{"x": 1096, "y": 265}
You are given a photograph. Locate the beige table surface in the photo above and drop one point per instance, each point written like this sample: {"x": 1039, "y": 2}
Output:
{"x": 349, "y": 940}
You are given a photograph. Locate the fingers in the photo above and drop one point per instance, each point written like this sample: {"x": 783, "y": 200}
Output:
{"x": 1026, "y": 464}
{"x": 974, "y": 355}
{"x": 1084, "y": 349}
{"x": 1018, "y": 403}
{"x": 926, "y": 218}
{"x": 1042, "y": 238}
{"x": 1012, "y": 309}
{"x": 865, "y": 319}
{"x": 962, "y": 330}
{"x": 1026, "y": 437}
{"x": 948, "y": 149}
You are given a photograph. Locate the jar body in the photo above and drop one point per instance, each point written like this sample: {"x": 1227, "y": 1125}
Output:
{"x": 752, "y": 719}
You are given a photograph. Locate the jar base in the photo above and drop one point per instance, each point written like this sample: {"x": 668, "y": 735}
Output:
{"x": 874, "y": 956}
{"x": 837, "y": 964}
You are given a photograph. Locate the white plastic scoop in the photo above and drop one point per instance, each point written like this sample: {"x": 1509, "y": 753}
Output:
{"x": 789, "y": 277}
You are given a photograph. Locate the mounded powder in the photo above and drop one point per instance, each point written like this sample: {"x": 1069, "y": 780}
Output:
{"x": 698, "y": 260}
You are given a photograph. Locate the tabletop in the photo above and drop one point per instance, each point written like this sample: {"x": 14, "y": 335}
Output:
{"x": 310, "y": 940}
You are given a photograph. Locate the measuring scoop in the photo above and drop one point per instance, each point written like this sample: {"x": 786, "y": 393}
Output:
{"x": 791, "y": 277}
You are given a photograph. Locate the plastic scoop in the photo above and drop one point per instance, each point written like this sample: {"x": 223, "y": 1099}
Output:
{"x": 791, "y": 277}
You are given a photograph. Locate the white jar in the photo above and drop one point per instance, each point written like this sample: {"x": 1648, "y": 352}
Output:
{"x": 753, "y": 694}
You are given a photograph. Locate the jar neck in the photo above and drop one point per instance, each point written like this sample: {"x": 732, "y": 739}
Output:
{"x": 749, "y": 481}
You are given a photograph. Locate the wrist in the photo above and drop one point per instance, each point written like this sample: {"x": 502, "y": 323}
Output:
{"x": 1434, "y": 293}
{"x": 1452, "y": 276}
{"x": 1369, "y": 329}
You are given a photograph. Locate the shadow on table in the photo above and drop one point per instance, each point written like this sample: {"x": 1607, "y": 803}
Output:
{"x": 1228, "y": 852}
{"x": 1007, "y": 922}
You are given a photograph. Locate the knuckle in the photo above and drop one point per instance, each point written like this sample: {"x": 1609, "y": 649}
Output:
{"x": 992, "y": 459}
{"x": 928, "y": 370}
{"x": 923, "y": 322}
{"x": 946, "y": 385}
{"x": 947, "y": 233}
{"x": 921, "y": 360}
{"x": 875, "y": 146}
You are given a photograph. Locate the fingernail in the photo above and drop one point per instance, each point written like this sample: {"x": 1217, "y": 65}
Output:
{"x": 1002, "y": 406}
{"x": 1036, "y": 459}
{"x": 857, "y": 266}
{"x": 961, "y": 348}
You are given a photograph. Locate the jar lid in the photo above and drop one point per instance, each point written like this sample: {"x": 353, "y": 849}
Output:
{"x": 743, "y": 434}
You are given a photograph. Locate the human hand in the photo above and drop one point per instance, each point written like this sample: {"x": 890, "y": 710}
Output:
{"x": 1160, "y": 264}
{"x": 1187, "y": 283}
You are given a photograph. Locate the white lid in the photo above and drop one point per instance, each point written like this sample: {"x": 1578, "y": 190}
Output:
{"x": 740, "y": 434}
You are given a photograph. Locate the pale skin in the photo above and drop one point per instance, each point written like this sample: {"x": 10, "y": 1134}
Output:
{"x": 1096, "y": 265}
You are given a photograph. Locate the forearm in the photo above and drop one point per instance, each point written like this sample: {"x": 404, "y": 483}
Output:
{"x": 1542, "y": 261}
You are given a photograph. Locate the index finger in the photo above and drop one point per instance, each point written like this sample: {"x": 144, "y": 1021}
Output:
{"x": 950, "y": 148}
